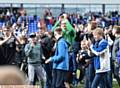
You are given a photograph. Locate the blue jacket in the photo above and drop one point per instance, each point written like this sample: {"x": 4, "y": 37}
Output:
{"x": 61, "y": 58}
{"x": 102, "y": 58}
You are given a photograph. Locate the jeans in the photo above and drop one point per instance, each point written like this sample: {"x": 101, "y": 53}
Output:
{"x": 110, "y": 72}
{"x": 39, "y": 71}
{"x": 89, "y": 75}
{"x": 101, "y": 78}
{"x": 110, "y": 77}
{"x": 87, "y": 78}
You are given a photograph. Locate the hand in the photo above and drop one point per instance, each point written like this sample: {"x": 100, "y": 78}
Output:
{"x": 60, "y": 18}
{"x": 106, "y": 31}
{"x": 81, "y": 57}
{"x": 89, "y": 43}
{"x": 32, "y": 44}
{"x": 47, "y": 61}
{"x": 10, "y": 35}
{"x": 87, "y": 61}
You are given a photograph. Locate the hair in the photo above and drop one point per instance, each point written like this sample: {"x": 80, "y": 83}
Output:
{"x": 117, "y": 28}
{"x": 84, "y": 42}
{"x": 10, "y": 75}
{"x": 93, "y": 25}
{"x": 99, "y": 31}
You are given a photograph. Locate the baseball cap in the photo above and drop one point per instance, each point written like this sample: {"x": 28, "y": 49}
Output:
{"x": 32, "y": 35}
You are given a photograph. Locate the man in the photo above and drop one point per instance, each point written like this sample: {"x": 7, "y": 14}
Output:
{"x": 60, "y": 60}
{"x": 8, "y": 47}
{"x": 33, "y": 51}
{"x": 47, "y": 44}
{"x": 69, "y": 32}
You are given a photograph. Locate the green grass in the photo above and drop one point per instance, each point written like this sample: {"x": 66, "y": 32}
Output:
{"x": 115, "y": 85}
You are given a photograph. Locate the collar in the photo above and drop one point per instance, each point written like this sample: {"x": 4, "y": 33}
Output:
{"x": 59, "y": 38}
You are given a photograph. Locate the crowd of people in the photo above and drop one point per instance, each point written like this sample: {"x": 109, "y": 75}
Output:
{"x": 62, "y": 51}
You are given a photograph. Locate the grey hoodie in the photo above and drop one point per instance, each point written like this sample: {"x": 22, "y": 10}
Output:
{"x": 34, "y": 54}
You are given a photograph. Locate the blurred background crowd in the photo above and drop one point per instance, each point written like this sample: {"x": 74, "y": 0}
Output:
{"x": 18, "y": 30}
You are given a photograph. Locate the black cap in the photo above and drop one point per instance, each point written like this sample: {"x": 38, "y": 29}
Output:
{"x": 32, "y": 35}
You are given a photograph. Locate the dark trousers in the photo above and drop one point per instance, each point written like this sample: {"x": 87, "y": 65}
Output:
{"x": 48, "y": 69}
{"x": 58, "y": 78}
{"x": 116, "y": 74}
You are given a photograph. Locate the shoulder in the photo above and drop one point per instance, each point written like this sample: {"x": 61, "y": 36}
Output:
{"x": 63, "y": 41}
{"x": 103, "y": 41}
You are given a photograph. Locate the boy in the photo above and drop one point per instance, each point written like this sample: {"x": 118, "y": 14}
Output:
{"x": 60, "y": 60}
{"x": 101, "y": 60}
{"x": 83, "y": 59}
